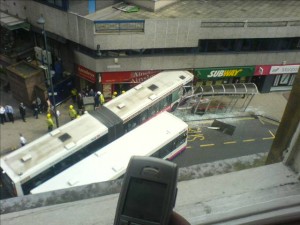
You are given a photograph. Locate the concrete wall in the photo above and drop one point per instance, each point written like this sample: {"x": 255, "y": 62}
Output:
{"x": 166, "y": 33}
{"x": 79, "y": 7}
{"x": 294, "y": 159}
{"x": 288, "y": 132}
{"x": 159, "y": 33}
{"x": 151, "y": 5}
{"x": 15, "y": 8}
{"x": 184, "y": 61}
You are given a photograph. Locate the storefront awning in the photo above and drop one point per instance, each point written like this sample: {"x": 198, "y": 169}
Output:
{"x": 12, "y": 22}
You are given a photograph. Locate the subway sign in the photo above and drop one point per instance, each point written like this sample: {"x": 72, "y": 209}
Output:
{"x": 224, "y": 72}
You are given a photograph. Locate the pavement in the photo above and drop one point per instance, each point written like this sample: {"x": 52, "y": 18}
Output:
{"x": 31, "y": 129}
{"x": 271, "y": 105}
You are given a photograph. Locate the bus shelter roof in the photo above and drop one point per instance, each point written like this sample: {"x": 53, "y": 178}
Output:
{"x": 223, "y": 89}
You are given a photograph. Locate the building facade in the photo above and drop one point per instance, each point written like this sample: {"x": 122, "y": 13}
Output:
{"x": 105, "y": 44}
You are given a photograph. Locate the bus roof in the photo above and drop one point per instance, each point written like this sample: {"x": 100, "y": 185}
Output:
{"x": 111, "y": 161}
{"x": 125, "y": 105}
{"x": 44, "y": 152}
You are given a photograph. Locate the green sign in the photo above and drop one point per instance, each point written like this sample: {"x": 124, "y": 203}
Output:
{"x": 224, "y": 72}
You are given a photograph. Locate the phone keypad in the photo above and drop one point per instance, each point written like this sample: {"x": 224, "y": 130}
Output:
{"x": 125, "y": 222}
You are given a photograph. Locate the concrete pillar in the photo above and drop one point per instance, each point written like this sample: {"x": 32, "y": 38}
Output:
{"x": 287, "y": 129}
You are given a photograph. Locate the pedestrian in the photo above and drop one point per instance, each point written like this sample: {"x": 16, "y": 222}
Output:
{"x": 50, "y": 122}
{"x": 22, "y": 109}
{"x": 39, "y": 104}
{"x": 97, "y": 100}
{"x": 101, "y": 98}
{"x": 91, "y": 92}
{"x": 57, "y": 113}
{"x": 10, "y": 113}
{"x": 23, "y": 141}
{"x": 48, "y": 105}
{"x": 72, "y": 112}
{"x": 74, "y": 94}
{"x": 2, "y": 114}
{"x": 35, "y": 109}
{"x": 80, "y": 100}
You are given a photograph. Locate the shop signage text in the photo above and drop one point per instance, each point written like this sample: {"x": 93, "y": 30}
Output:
{"x": 141, "y": 76}
{"x": 284, "y": 69}
{"x": 127, "y": 76}
{"x": 276, "y": 69}
{"x": 224, "y": 72}
{"x": 86, "y": 73}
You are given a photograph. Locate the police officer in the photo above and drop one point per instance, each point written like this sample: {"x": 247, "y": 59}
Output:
{"x": 101, "y": 98}
{"x": 50, "y": 122}
{"x": 72, "y": 112}
{"x": 115, "y": 94}
{"x": 74, "y": 94}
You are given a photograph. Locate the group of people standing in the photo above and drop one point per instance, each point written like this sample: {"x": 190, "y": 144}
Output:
{"x": 8, "y": 112}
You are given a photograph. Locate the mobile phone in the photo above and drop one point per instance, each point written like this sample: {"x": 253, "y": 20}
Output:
{"x": 148, "y": 192}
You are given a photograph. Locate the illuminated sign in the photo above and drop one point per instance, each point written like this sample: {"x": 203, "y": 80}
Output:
{"x": 224, "y": 72}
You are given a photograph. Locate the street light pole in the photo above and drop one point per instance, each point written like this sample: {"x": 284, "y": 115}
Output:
{"x": 42, "y": 21}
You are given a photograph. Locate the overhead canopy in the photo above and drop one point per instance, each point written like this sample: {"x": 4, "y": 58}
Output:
{"x": 223, "y": 89}
{"x": 12, "y": 22}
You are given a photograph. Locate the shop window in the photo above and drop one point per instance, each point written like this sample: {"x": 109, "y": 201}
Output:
{"x": 292, "y": 79}
{"x": 295, "y": 43}
{"x": 144, "y": 116}
{"x": 151, "y": 111}
{"x": 284, "y": 44}
{"x": 237, "y": 45}
{"x": 276, "y": 81}
{"x": 284, "y": 80}
{"x": 60, "y": 4}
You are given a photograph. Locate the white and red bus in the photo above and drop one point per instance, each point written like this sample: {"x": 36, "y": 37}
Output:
{"x": 43, "y": 158}
{"x": 164, "y": 136}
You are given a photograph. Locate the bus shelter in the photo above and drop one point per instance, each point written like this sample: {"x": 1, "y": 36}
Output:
{"x": 223, "y": 98}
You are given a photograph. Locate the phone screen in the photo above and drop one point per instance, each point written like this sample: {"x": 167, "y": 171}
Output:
{"x": 144, "y": 199}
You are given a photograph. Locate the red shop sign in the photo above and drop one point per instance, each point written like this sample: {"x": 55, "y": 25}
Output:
{"x": 128, "y": 76}
{"x": 262, "y": 70}
{"x": 115, "y": 77}
{"x": 86, "y": 74}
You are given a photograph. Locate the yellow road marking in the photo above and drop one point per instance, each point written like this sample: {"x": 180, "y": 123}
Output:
{"x": 188, "y": 147}
{"x": 272, "y": 134}
{"x": 248, "y": 140}
{"x": 229, "y": 142}
{"x": 268, "y": 138}
{"x": 207, "y": 145}
{"x": 260, "y": 120}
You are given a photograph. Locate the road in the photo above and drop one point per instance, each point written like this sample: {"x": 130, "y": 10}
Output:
{"x": 249, "y": 135}
{"x": 207, "y": 143}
